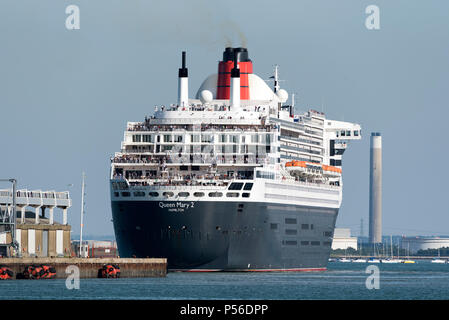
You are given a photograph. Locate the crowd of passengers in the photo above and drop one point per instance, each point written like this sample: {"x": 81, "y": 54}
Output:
{"x": 146, "y": 126}
{"x": 187, "y": 159}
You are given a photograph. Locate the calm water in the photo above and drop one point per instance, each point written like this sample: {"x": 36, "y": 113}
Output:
{"x": 422, "y": 280}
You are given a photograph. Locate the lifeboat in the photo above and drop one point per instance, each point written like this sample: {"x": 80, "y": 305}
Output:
{"x": 303, "y": 168}
{"x": 110, "y": 271}
{"x": 5, "y": 273}
{"x": 302, "y": 164}
{"x": 331, "y": 170}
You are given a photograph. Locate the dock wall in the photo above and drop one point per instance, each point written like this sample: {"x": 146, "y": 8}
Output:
{"x": 129, "y": 268}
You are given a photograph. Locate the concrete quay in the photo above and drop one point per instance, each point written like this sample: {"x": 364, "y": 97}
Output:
{"x": 88, "y": 268}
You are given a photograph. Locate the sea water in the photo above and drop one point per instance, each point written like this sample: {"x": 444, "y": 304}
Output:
{"x": 422, "y": 280}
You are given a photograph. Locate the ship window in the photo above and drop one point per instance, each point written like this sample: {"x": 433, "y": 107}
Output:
{"x": 207, "y": 138}
{"x": 268, "y": 138}
{"x": 236, "y": 186}
{"x": 137, "y": 138}
{"x": 291, "y": 242}
{"x": 139, "y": 194}
{"x": 199, "y": 194}
{"x": 116, "y": 194}
{"x": 245, "y": 195}
{"x": 167, "y": 138}
{"x": 183, "y": 194}
{"x": 348, "y": 133}
{"x": 126, "y": 194}
{"x": 168, "y": 194}
{"x": 356, "y": 133}
{"x": 290, "y": 220}
{"x": 223, "y": 138}
{"x": 215, "y": 194}
{"x": 248, "y": 186}
{"x": 153, "y": 194}
{"x": 273, "y": 226}
{"x": 232, "y": 194}
{"x": 315, "y": 243}
{"x": 327, "y": 233}
{"x": 342, "y": 133}
{"x": 195, "y": 138}
{"x": 178, "y": 138}
{"x": 305, "y": 227}
{"x": 291, "y": 231}
{"x": 265, "y": 175}
{"x": 304, "y": 243}
{"x": 327, "y": 243}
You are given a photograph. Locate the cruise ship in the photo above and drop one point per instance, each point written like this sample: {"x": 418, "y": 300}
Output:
{"x": 231, "y": 180}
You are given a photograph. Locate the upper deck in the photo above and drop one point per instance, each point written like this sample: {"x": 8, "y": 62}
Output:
{"x": 219, "y": 137}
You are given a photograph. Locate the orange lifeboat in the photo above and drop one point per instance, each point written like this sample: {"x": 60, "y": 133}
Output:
{"x": 299, "y": 164}
{"x": 331, "y": 168}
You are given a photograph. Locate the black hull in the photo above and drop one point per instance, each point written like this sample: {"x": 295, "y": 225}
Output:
{"x": 228, "y": 236}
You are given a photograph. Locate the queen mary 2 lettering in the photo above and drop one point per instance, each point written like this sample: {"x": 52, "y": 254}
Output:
{"x": 232, "y": 180}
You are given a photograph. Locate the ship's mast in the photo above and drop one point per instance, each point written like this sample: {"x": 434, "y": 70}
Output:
{"x": 276, "y": 79}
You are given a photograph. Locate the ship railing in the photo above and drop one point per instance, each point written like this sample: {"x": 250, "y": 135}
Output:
{"x": 301, "y": 140}
{"x": 301, "y": 149}
{"x": 200, "y": 127}
{"x": 164, "y": 184}
{"x": 186, "y": 187}
{"x": 317, "y": 184}
{"x": 185, "y": 160}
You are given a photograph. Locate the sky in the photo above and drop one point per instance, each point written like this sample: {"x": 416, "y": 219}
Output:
{"x": 66, "y": 95}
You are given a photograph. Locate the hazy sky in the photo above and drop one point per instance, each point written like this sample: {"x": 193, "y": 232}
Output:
{"x": 66, "y": 95}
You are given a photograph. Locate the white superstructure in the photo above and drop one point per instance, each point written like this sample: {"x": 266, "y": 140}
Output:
{"x": 219, "y": 150}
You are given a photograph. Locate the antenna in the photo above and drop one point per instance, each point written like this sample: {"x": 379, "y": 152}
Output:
{"x": 82, "y": 214}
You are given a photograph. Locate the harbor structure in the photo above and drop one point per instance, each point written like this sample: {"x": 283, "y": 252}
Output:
{"x": 35, "y": 234}
{"x": 89, "y": 268}
{"x": 96, "y": 248}
{"x": 343, "y": 240}
{"x": 413, "y": 244}
{"x": 375, "y": 189}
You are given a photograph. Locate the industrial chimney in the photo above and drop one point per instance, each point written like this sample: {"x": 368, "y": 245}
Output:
{"x": 183, "y": 83}
{"x": 375, "y": 189}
